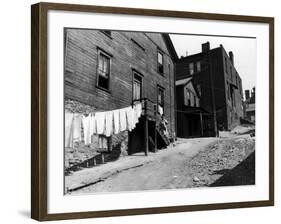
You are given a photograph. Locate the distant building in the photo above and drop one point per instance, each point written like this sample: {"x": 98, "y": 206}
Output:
{"x": 216, "y": 78}
{"x": 190, "y": 116}
{"x": 109, "y": 70}
{"x": 250, "y": 107}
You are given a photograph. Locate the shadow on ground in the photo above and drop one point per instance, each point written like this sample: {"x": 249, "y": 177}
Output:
{"x": 242, "y": 174}
{"x": 99, "y": 159}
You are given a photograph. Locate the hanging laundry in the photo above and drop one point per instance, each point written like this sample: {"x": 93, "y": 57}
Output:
{"x": 138, "y": 108}
{"x": 93, "y": 126}
{"x": 160, "y": 110}
{"x": 77, "y": 127}
{"x": 135, "y": 117}
{"x": 130, "y": 118}
{"x": 123, "y": 119}
{"x": 108, "y": 123}
{"x": 86, "y": 129}
{"x": 100, "y": 122}
{"x": 68, "y": 140}
{"x": 116, "y": 120}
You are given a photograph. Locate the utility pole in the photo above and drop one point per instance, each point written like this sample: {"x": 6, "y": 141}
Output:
{"x": 212, "y": 93}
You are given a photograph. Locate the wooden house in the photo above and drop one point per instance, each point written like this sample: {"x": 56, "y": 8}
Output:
{"x": 190, "y": 116}
{"x": 110, "y": 70}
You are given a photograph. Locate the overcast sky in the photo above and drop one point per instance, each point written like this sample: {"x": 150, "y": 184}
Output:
{"x": 244, "y": 50}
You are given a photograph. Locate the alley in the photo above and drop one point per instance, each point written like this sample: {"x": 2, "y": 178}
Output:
{"x": 194, "y": 162}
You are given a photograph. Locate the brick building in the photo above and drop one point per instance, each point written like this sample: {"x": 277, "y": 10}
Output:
{"x": 214, "y": 75}
{"x": 250, "y": 104}
{"x": 108, "y": 70}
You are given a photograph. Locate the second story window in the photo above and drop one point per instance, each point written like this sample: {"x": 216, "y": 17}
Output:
{"x": 137, "y": 87}
{"x": 160, "y": 62}
{"x": 187, "y": 97}
{"x": 198, "y": 66}
{"x": 103, "y": 71}
{"x": 191, "y": 68}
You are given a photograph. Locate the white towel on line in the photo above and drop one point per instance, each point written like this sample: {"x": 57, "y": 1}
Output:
{"x": 100, "y": 122}
{"x": 130, "y": 118}
{"x": 123, "y": 119}
{"x": 116, "y": 120}
{"x": 108, "y": 123}
{"x": 68, "y": 140}
{"x": 77, "y": 122}
{"x": 86, "y": 129}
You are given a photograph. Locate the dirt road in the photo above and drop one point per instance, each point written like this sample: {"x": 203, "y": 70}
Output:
{"x": 192, "y": 163}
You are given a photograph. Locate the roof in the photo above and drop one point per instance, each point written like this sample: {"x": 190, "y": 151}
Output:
{"x": 183, "y": 81}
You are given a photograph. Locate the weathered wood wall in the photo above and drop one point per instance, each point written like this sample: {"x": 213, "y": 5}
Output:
{"x": 81, "y": 55}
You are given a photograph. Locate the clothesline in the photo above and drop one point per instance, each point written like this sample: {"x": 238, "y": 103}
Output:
{"x": 100, "y": 123}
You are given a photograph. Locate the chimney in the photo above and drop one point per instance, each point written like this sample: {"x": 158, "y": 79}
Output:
{"x": 247, "y": 94}
{"x": 253, "y": 93}
{"x": 231, "y": 57}
{"x": 206, "y": 47}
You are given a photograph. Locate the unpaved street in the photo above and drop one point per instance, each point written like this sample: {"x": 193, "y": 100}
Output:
{"x": 191, "y": 163}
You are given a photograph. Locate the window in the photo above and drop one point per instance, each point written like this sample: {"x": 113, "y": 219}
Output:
{"x": 160, "y": 100}
{"x": 103, "y": 72}
{"x": 160, "y": 62}
{"x": 137, "y": 87}
{"x": 197, "y": 102}
{"x": 199, "y": 89}
{"x": 198, "y": 66}
{"x": 187, "y": 97}
{"x": 191, "y": 68}
{"x": 231, "y": 75}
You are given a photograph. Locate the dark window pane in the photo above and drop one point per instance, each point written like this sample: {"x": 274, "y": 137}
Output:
{"x": 160, "y": 62}
{"x": 103, "y": 82}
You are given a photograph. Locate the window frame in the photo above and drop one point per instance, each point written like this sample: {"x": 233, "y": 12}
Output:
{"x": 135, "y": 73}
{"x": 189, "y": 68}
{"x": 198, "y": 65}
{"x": 159, "y": 89}
{"x": 109, "y": 57}
{"x": 158, "y": 64}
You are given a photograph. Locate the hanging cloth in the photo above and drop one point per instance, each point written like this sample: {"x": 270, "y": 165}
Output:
{"x": 123, "y": 119}
{"x": 108, "y": 123}
{"x": 86, "y": 129}
{"x": 77, "y": 127}
{"x": 116, "y": 120}
{"x": 138, "y": 108}
{"x": 160, "y": 110}
{"x": 68, "y": 137}
{"x": 130, "y": 118}
{"x": 100, "y": 122}
{"x": 93, "y": 126}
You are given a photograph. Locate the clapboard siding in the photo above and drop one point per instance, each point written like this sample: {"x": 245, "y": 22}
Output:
{"x": 81, "y": 68}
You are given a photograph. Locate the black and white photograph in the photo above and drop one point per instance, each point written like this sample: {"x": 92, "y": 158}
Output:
{"x": 157, "y": 111}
